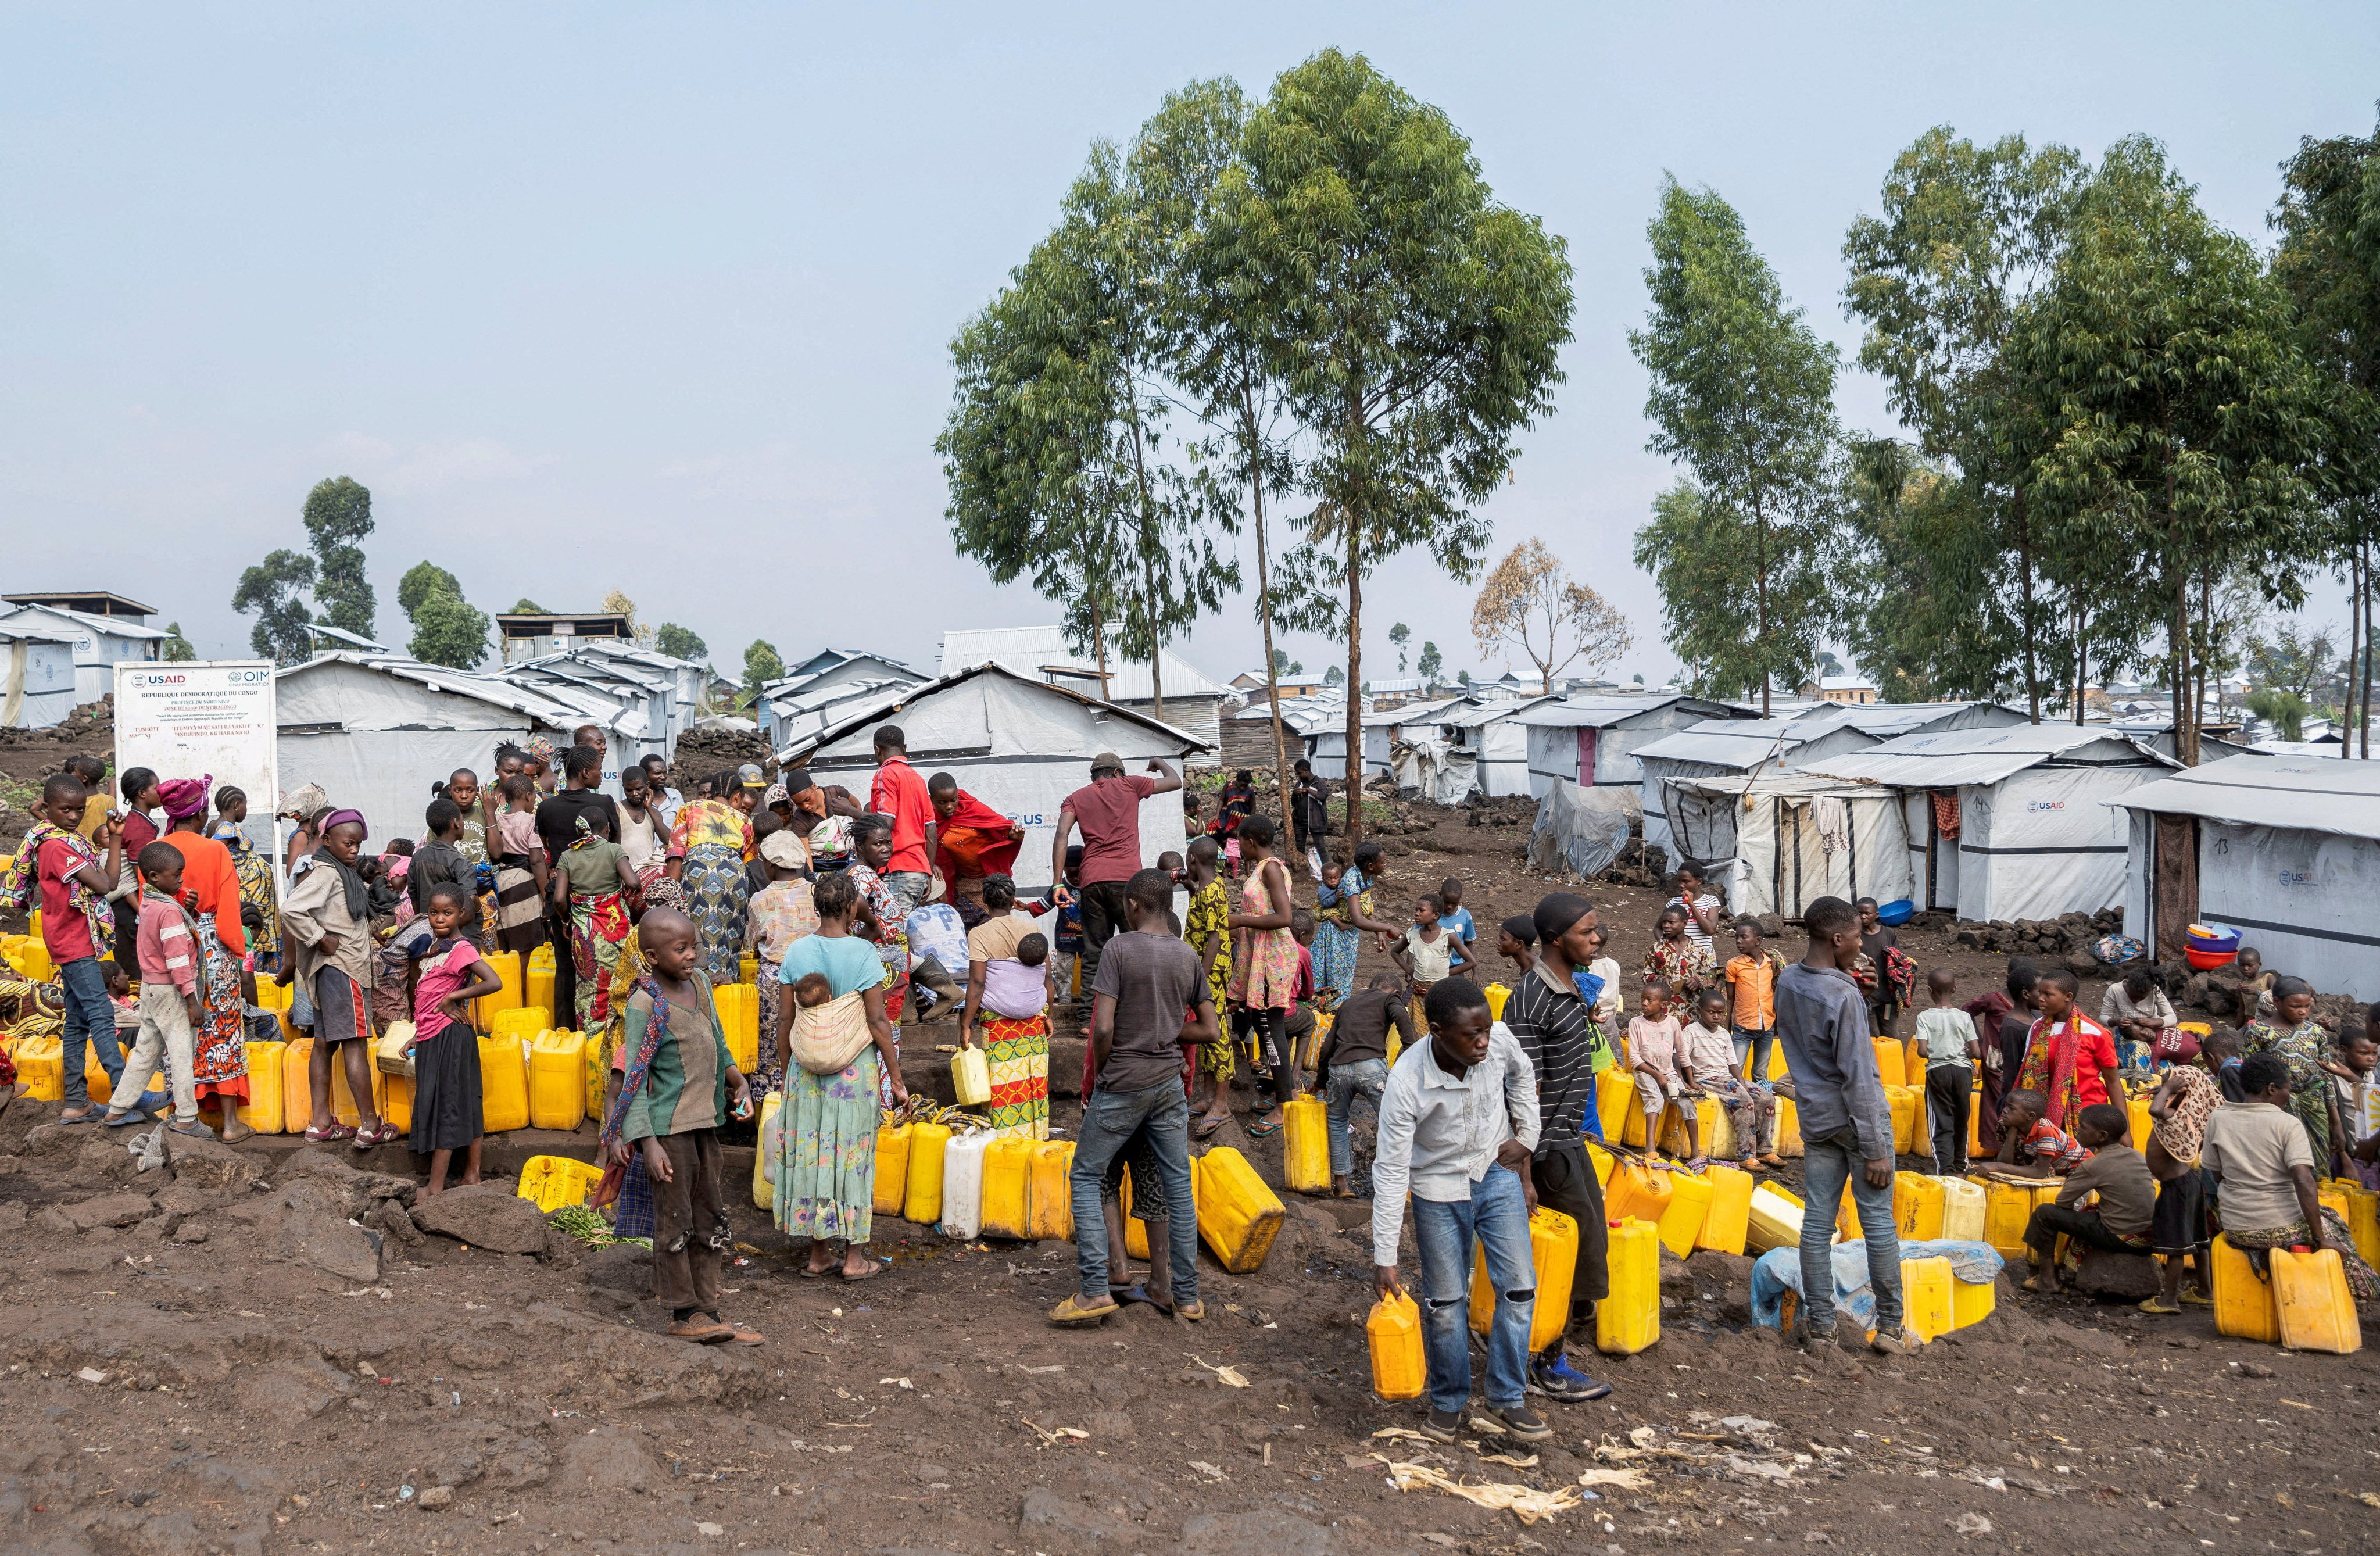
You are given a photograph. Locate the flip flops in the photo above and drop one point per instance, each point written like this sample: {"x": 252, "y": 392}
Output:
{"x": 1131, "y": 1296}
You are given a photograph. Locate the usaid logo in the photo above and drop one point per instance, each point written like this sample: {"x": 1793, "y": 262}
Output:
{"x": 154, "y": 678}
{"x": 2038, "y": 806}
{"x": 2297, "y": 877}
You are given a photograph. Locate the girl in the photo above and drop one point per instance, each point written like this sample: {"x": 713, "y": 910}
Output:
{"x": 1701, "y": 909}
{"x": 1264, "y": 963}
{"x": 446, "y": 970}
{"x": 594, "y": 885}
{"x": 1430, "y": 953}
{"x": 1675, "y": 958}
{"x": 1342, "y": 912}
{"x": 878, "y": 916}
{"x": 255, "y": 874}
{"x": 782, "y": 913}
{"x": 2293, "y": 1036}
{"x": 523, "y": 881}
{"x": 210, "y": 883}
{"x": 826, "y": 1163}
{"x": 1211, "y": 911}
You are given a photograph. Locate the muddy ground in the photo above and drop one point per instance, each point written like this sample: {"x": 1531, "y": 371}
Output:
{"x": 212, "y": 1356}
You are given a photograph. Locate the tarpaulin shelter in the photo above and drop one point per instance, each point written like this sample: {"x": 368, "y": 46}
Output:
{"x": 1776, "y": 842}
{"x": 1592, "y": 739}
{"x": 2009, "y": 823}
{"x": 2286, "y": 849}
{"x": 1433, "y": 771}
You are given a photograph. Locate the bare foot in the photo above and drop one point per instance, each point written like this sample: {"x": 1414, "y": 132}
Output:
{"x": 470, "y": 1180}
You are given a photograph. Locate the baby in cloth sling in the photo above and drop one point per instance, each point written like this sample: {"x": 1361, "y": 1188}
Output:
{"x": 829, "y": 1033}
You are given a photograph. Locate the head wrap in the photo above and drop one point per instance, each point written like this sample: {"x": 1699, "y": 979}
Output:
{"x": 185, "y": 797}
{"x": 786, "y": 849}
{"x": 304, "y": 801}
{"x": 1522, "y": 927}
{"x": 345, "y": 815}
{"x": 542, "y": 749}
{"x": 1557, "y": 912}
{"x": 664, "y": 893}
{"x": 799, "y": 780}
{"x": 777, "y": 795}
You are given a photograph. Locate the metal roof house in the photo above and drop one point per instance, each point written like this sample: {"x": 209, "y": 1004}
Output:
{"x": 1193, "y": 699}
{"x": 39, "y": 683}
{"x": 1326, "y": 741}
{"x": 1018, "y": 743}
{"x": 101, "y": 639}
{"x": 2285, "y": 848}
{"x": 1593, "y": 739}
{"x": 1777, "y": 840}
{"x": 794, "y": 704}
{"x": 1496, "y": 739}
{"x": 2009, "y": 823}
{"x": 526, "y": 635}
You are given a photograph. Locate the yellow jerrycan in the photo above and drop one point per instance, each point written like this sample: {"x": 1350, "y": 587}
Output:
{"x": 1728, "y": 1221}
{"x": 1629, "y": 1319}
{"x": 1238, "y": 1213}
{"x": 1051, "y": 1195}
{"x": 1400, "y": 1371}
{"x": 2316, "y": 1309}
{"x": 1305, "y": 1145}
{"x": 892, "y": 1166}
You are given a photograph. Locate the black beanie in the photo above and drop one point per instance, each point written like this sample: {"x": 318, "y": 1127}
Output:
{"x": 1556, "y": 913}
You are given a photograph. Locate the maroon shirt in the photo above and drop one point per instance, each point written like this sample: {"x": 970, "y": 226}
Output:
{"x": 1109, "y": 813}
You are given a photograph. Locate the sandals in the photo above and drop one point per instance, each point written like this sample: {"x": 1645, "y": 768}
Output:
{"x": 875, "y": 1267}
{"x": 1137, "y": 1295}
{"x": 1260, "y": 1130}
{"x": 192, "y": 1128}
{"x": 1205, "y": 1127}
{"x": 2159, "y": 1309}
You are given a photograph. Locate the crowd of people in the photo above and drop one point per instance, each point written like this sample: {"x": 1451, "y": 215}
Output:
{"x": 855, "y": 914}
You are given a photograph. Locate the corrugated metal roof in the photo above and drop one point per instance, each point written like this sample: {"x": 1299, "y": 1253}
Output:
{"x": 1945, "y": 758}
{"x": 1886, "y": 719}
{"x": 1028, "y": 650}
{"x": 1418, "y": 713}
{"x": 118, "y": 626}
{"x": 2307, "y": 794}
{"x": 1603, "y": 711}
{"x": 1741, "y": 743}
{"x": 538, "y": 705}
{"x": 860, "y": 716}
{"x": 1473, "y": 715}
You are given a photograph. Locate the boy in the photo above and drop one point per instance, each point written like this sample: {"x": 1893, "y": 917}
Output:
{"x": 1822, "y": 1018}
{"x": 1430, "y": 952}
{"x": 2119, "y": 1176}
{"x": 677, "y": 1085}
{"x": 1653, "y": 1036}
{"x": 1951, "y": 1049}
{"x": 1751, "y": 976}
{"x": 1066, "y": 941}
{"x": 1354, "y": 1063}
{"x": 1706, "y": 1054}
{"x": 1517, "y": 942}
{"x": 2223, "y": 1058}
{"x": 68, "y": 879}
{"x": 1148, "y": 979}
{"x": 167, "y": 948}
{"x": 1455, "y": 917}
{"x": 1458, "y": 1123}
{"x": 2358, "y": 1099}
{"x": 2255, "y": 984}
{"x": 2032, "y": 1146}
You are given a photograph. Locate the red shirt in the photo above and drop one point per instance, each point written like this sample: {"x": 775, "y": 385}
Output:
{"x": 899, "y": 793}
{"x": 65, "y": 934}
{"x": 1109, "y": 813}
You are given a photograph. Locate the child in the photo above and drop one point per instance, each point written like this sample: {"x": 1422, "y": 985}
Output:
{"x": 1264, "y": 968}
{"x": 323, "y": 913}
{"x": 167, "y": 949}
{"x": 445, "y": 971}
{"x": 678, "y": 1085}
{"x": 780, "y": 914}
{"x": 1610, "y": 1003}
{"x": 2358, "y": 1099}
{"x": 2032, "y": 1146}
{"x": 1674, "y": 957}
{"x": 1354, "y": 1064}
{"x": 1170, "y": 863}
{"x": 65, "y": 877}
{"x": 1951, "y": 1050}
{"x": 2255, "y": 984}
{"x": 2223, "y": 1057}
{"x": 440, "y": 860}
{"x": 2127, "y": 1193}
{"x": 1751, "y": 976}
{"x": 1653, "y": 1054}
{"x": 516, "y": 860}
{"x": 1210, "y": 910}
{"x": 1707, "y": 1055}
{"x": 1517, "y": 942}
{"x": 1458, "y": 1125}
{"x": 1456, "y": 918}
{"x": 1430, "y": 953}
{"x": 1066, "y": 941}
{"x": 1300, "y": 1026}
{"x": 812, "y": 990}
{"x": 2180, "y": 1227}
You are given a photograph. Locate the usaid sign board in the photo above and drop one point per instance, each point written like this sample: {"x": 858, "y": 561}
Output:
{"x": 204, "y": 718}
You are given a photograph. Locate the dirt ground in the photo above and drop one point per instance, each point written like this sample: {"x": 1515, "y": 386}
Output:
{"x": 213, "y": 1356}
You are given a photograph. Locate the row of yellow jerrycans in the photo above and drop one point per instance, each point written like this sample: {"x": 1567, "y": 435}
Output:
{"x": 526, "y": 1004}
{"x": 1628, "y": 1319}
{"x": 541, "y": 1082}
{"x": 28, "y": 955}
{"x": 2306, "y": 1304}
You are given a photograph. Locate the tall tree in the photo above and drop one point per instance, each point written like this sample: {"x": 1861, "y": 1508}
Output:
{"x": 2329, "y": 264}
{"x": 1742, "y": 397}
{"x": 1432, "y": 663}
{"x": 338, "y": 515}
{"x": 2187, "y": 417}
{"x": 1967, "y": 236}
{"x": 275, "y": 589}
{"x": 762, "y": 665}
{"x": 177, "y": 649}
{"x": 1530, "y": 603}
{"x": 1413, "y": 323}
{"x": 446, "y": 630}
{"x": 679, "y": 642}
{"x": 1401, "y": 635}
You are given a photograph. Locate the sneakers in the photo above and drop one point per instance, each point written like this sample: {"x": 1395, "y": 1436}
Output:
{"x": 1516, "y": 1421}
{"x": 1440, "y": 1425}
{"x": 1558, "y": 1379}
{"x": 1076, "y": 1313}
{"x": 1901, "y": 1342}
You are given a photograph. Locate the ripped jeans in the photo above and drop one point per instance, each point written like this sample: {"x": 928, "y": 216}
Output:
{"x": 1498, "y": 1215}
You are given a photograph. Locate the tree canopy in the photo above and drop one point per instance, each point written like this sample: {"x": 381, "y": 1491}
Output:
{"x": 679, "y": 642}
{"x": 446, "y": 630}
{"x": 1530, "y": 603}
{"x": 338, "y": 515}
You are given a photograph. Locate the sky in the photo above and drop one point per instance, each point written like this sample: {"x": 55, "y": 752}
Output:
{"x": 659, "y": 297}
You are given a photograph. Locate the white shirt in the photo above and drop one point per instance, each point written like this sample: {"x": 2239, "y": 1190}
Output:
{"x": 1439, "y": 1133}
{"x": 1608, "y": 1004}
{"x": 1695, "y": 931}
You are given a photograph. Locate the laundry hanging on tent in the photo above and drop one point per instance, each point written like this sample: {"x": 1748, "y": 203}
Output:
{"x": 1832, "y": 818}
{"x": 1945, "y": 813}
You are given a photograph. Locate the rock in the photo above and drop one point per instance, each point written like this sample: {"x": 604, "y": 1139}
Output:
{"x": 2103, "y": 1274}
{"x": 437, "y": 1499}
{"x": 606, "y": 1459}
{"x": 211, "y": 1166}
{"x": 1050, "y": 1521}
{"x": 12, "y": 1215}
{"x": 2082, "y": 964}
{"x": 389, "y": 1218}
{"x": 344, "y": 1249}
{"x": 292, "y": 1392}
{"x": 110, "y": 1210}
{"x": 182, "y": 1199}
{"x": 520, "y": 1465}
{"x": 193, "y": 1229}
{"x": 485, "y": 1216}
{"x": 475, "y": 1355}
{"x": 623, "y": 1268}
{"x": 357, "y": 1189}
{"x": 459, "y": 1468}
{"x": 1271, "y": 1532}
{"x": 1771, "y": 926}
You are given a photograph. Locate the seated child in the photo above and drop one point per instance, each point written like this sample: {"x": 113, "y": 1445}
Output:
{"x": 1653, "y": 1053}
{"x": 2032, "y": 1146}
{"x": 2119, "y": 1175}
{"x": 1707, "y": 1055}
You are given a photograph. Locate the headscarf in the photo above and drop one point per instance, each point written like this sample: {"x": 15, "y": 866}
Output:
{"x": 666, "y": 893}
{"x": 185, "y": 797}
{"x": 542, "y": 749}
{"x": 309, "y": 799}
{"x": 777, "y": 794}
{"x": 784, "y": 849}
{"x": 359, "y": 894}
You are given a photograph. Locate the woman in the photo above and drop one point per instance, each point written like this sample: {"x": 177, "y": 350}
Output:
{"x": 1675, "y": 958}
{"x": 2265, "y": 1167}
{"x": 255, "y": 873}
{"x": 593, "y": 884}
{"x": 878, "y": 917}
{"x": 1342, "y": 911}
{"x": 2293, "y": 1036}
{"x": 2181, "y": 1229}
{"x": 1016, "y": 1047}
{"x": 327, "y": 917}
{"x": 1701, "y": 909}
{"x": 2137, "y": 1011}
{"x": 1263, "y": 966}
{"x": 139, "y": 788}
{"x": 211, "y": 888}
{"x": 642, "y": 832}
{"x": 709, "y": 844}
{"x": 826, "y": 1161}
{"x": 2002, "y": 1021}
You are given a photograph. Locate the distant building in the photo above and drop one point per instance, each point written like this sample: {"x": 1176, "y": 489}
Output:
{"x": 1192, "y": 701}
{"x": 106, "y": 630}
{"x": 1299, "y": 684}
{"x": 1853, "y": 691}
{"x": 527, "y": 635}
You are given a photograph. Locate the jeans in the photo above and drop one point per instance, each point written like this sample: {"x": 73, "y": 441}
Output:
{"x": 1949, "y": 1093}
{"x": 1753, "y": 1043}
{"x": 166, "y": 1038}
{"x": 1109, "y": 1119}
{"x": 1365, "y": 1079}
{"x": 907, "y": 886}
{"x": 89, "y": 1019}
{"x": 1497, "y": 1214}
{"x": 1828, "y": 1166}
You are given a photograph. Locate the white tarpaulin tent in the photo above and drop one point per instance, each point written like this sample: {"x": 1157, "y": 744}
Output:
{"x": 1496, "y": 740}
{"x": 2285, "y": 848}
{"x": 1020, "y": 746}
{"x": 1777, "y": 841}
{"x": 1581, "y": 829}
{"x": 1325, "y": 742}
{"x": 2009, "y": 823}
{"x": 1592, "y": 739}
{"x": 1433, "y": 771}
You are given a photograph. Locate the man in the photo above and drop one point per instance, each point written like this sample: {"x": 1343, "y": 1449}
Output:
{"x": 665, "y": 799}
{"x": 1108, "y": 809}
{"x": 558, "y": 828}
{"x": 1822, "y": 1018}
{"x": 1458, "y": 1123}
{"x": 1551, "y": 1015}
{"x": 975, "y": 842}
{"x": 1309, "y": 805}
{"x": 899, "y": 793}
{"x": 1149, "y": 979}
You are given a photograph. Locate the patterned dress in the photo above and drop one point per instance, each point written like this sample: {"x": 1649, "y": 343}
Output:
{"x": 826, "y": 1158}
{"x": 1336, "y": 939}
{"x": 598, "y": 928}
{"x": 2301, "y": 1048}
{"x": 210, "y": 880}
{"x": 1210, "y": 909}
{"x": 1686, "y": 965}
{"x": 714, "y": 840}
{"x": 1265, "y": 977}
{"x": 255, "y": 873}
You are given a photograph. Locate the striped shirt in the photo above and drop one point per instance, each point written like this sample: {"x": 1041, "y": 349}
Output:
{"x": 1558, "y": 1031}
